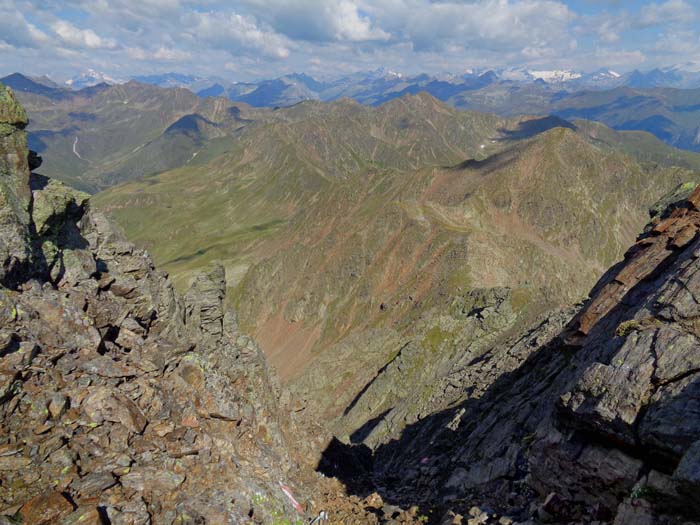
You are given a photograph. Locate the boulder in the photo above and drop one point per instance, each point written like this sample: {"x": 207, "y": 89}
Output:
{"x": 107, "y": 404}
{"x": 46, "y": 509}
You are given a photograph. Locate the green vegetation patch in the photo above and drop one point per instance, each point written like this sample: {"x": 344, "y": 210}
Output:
{"x": 435, "y": 337}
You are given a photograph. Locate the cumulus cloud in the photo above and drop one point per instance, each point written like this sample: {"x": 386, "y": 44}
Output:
{"x": 678, "y": 43}
{"x": 315, "y": 21}
{"x": 162, "y": 53}
{"x": 265, "y": 38}
{"x": 16, "y": 31}
{"x": 233, "y": 31}
{"x": 490, "y": 24}
{"x": 129, "y": 14}
{"x": 607, "y": 28}
{"x": 348, "y": 24}
{"x": 76, "y": 37}
{"x": 168, "y": 53}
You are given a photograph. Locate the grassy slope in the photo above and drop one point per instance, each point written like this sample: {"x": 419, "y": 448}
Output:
{"x": 351, "y": 230}
{"x": 276, "y": 169}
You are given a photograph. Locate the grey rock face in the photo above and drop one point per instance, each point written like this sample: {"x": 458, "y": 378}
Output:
{"x": 14, "y": 188}
{"x": 204, "y": 302}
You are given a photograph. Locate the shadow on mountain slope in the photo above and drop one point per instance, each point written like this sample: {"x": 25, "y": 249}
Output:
{"x": 491, "y": 164}
{"x": 525, "y": 130}
{"x": 529, "y": 128}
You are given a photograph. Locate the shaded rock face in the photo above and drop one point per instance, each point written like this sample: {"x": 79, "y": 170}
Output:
{"x": 120, "y": 401}
{"x": 412, "y": 386}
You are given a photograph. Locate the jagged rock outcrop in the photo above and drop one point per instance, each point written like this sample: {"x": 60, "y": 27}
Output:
{"x": 120, "y": 401}
{"x": 14, "y": 186}
{"x": 116, "y": 403}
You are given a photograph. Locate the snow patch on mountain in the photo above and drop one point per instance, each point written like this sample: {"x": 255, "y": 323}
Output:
{"x": 557, "y": 75}
{"x": 91, "y": 78}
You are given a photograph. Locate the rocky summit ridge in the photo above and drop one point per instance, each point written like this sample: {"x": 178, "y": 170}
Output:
{"x": 122, "y": 402}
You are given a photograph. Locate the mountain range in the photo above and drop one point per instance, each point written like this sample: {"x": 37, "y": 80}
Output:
{"x": 686, "y": 75}
{"x": 411, "y": 221}
{"x": 377, "y": 86}
{"x": 301, "y": 86}
{"x": 672, "y": 115}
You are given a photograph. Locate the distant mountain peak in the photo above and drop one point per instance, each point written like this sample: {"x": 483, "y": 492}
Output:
{"x": 555, "y": 75}
{"x": 39, "y": 86}
{"x": 91, "y": 78}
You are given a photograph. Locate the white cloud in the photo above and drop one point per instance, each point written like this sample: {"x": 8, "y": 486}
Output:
{"x": 233, "y": 32}
{"x": 349, "y": 25}
{"x": 678, "y": 43}
{"x": 489, "y": 24}
{"x": 81, "y": 38}
{"x": 167, "y": 53}
{"x": 608, "y": 28}
{"x": 127, "y": 13}
{"x": 669, "y": 12}
{"x": 16, "y": 31}
{"x": 136, "y": 53}
{"x": 318, "y": 21}
{"x": 162, "y": 53}
{"x": 608, "y": 31}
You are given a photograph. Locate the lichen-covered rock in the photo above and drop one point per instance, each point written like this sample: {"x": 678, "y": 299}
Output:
{"x": 204, "y": 302}
{"x": 54, "y": 203}
{"x": 11, "y": 111}
{"x": 15, "y": 251}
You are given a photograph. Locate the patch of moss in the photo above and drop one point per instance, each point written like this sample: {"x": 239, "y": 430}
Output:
{"x": 647, "y": 493}
{"x": 11, "y": 112}
{"x": 6, "y": 129}
{"x": 520, "y": 298}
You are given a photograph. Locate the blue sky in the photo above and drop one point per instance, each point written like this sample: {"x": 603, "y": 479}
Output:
{"x": 249, "y": 39}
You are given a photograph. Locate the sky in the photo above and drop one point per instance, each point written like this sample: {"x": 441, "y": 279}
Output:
{"x": 253, "y": 39}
